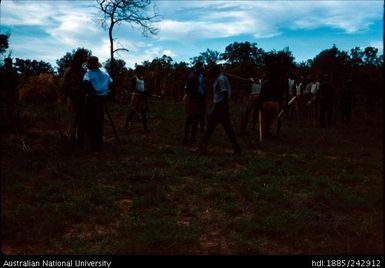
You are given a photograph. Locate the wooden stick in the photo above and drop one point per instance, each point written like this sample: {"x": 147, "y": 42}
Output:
{"x": 238, "y": 77}
{"x": 260, "y": 126}
{"x": 112, "y": 123}
{"x": 283, "y": 110}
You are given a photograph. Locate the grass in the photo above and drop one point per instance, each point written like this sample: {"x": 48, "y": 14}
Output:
{"x": 307, "y": 191}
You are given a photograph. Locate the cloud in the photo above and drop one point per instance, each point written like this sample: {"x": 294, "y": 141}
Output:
{"x": 72, "y": 29}
{"x": 378, "y": 44}
{"x": 266, "y": 19}
{"x": 147, "y": 53}
{"x": 26, "y": 13}
{"x": 187, "y": 27}
{"x": 169, "y": 53}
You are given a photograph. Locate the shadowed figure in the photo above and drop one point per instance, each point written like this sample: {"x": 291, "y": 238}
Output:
{"x": 346, "y": 101}
{"x": 74, "y": 90}
{"x": 194, "y": 102}
{"x": 138, "y": 97}
{"x": 220, "y": 111}
{"x": 9, "y": 93}
{"x": 326, "y": 102}
{"x": 253, "y": 103}
{"x": 274, "y": 92}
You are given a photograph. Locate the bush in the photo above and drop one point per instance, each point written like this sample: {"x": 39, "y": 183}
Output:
{"x": 36, "y": 88}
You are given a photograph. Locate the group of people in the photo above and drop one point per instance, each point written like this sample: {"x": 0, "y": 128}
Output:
{"x": 319, "y": 98}
{"x": 270, "y": 97}
{"x": 311, "y": 98}
{"x": 195, "y": 107}
{"x": 87, "y": 90}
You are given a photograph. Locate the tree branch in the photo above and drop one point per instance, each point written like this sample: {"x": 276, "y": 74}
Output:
{"x": 120, "y": 49}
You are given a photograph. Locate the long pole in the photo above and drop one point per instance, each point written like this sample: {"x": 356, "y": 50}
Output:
{"x": 260, "y": 126}
{"x": 112, "y": 123}
{"x": 283, "y": 110}
{"x": 238, "y": 77}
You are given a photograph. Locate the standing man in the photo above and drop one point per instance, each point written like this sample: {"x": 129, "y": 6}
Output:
{"x": 138, "y": 98}
{"x": 220, "y": 112}
{"x": 252, "y": 103}
{"x": 96, "y": 84}
{"x": 291, "y": 94}
{"x": 201, "y": 96}
{"x": 326, "y": 101}
{"x": 9, "y": 94}
{"x": 272, "y": 95}
{"x": 299, "y": 102}
{"x": 346, "y": 101}
{"x": 307, "y": 97}
{"x": 315, "y": 96}
{"x": 195, "y": 104}
{"x": 74, "y": 90}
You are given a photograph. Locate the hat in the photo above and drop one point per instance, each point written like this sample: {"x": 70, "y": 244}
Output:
{"x": 93, "y": 62}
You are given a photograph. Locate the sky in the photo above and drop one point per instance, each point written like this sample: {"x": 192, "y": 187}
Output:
{"x": 47, "y": 29}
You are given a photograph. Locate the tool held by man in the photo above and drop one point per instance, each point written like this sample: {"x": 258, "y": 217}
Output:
{"x": 280, "y": 114}
{"x": 112, "y": 123}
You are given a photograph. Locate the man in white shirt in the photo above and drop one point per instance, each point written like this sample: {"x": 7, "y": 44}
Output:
{"x": 96, "y": 83}
{"x": 220, "y": 112}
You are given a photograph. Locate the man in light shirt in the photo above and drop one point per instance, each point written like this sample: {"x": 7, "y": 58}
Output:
{"x": 220, "y": 111}
{"x": 252, "y": 103}
{"x": 96, "y": 84}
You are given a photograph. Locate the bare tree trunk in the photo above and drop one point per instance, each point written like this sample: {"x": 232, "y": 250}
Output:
{"x": 112, "y": 60}
{"x": 111, "y": 41}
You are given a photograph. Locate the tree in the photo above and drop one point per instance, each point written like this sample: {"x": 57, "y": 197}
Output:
{"x": 207, "y": 57}
{"x": 66, "y": 60}
{"x": 160, "y": 65}
{"x": 242, "y": 52}
{"x": 4, "y": 42}
{"x": 116, "y": 12}
{"x": 160, "y": 70}
{"x": 120, "y": 66}
{"x": 279, "y": 63}
{"x": 356, "y": 55}
{"x": 34, "y": 67}
{"x": 370, "y": 56}
{"x": 333, "y": 62}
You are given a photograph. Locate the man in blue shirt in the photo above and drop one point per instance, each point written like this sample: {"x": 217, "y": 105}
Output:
{"x": 201, "y": 95}
{"x": 220, "y": 112}
{"x": 96, "y": 83}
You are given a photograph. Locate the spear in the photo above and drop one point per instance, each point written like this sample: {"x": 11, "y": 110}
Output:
{"x": 283, "y": 110}
{"x": 260, "y": 126}
{"x": 112, "y": 123}
{"x": 238, "y": 77}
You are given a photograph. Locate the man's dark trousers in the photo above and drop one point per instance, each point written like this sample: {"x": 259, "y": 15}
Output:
{"x": 95, "y": 120}
{"x": 220, "y": 114}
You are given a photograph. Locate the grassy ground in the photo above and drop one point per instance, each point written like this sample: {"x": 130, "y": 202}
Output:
{"x": 308, "y": 191}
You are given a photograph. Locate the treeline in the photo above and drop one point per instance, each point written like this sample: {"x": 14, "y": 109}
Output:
{"x": 167, "y": 77}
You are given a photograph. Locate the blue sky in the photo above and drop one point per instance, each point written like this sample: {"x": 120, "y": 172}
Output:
{"x": 46, "y": 30}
